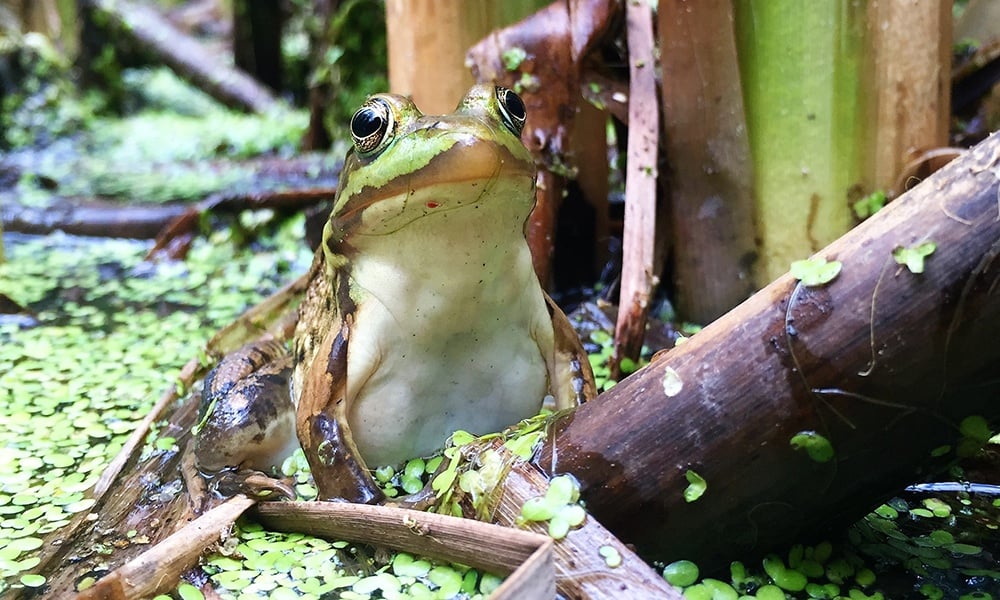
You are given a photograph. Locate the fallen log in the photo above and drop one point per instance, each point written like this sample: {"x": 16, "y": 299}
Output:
{"x": 186, "y": 56}
{"x": 882, "y": 363}
{"x": 92, "y": 218}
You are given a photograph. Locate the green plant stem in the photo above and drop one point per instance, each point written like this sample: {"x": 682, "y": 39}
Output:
{"x": 800, "y": 65}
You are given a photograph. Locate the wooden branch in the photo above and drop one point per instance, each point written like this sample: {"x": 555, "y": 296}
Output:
{"x": 639, "y": 274}
{"x": 185, "y": 56}
{"x": 581, "y": 571}
{"x": 882, "y": 362}
{"x": 708, "y": 155}
{"x": 92, "y": 217}
{"x": 158, "y": 569}
{"x": 525, "y": 556}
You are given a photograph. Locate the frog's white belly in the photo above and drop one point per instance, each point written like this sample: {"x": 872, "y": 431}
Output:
{"x": 428, "y": 357}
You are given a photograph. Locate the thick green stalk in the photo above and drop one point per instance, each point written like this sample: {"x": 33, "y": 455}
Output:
{"x": 800, "y": 62}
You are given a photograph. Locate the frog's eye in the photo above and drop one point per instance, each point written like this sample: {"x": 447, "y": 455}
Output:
{"x": 512, "y": 110}
{"x": 372, "y": 126}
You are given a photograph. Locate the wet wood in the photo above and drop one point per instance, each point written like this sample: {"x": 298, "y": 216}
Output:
{"x": 881, "y": 362}
{"x": 185, "y": 55}
{"x": 581, "y": 571}
{"x": 283, "y": 184}
{"x": 138, "y": 501}
{"x": 136, "y": 495}
{"x": 708, "y": 158}
{"x": 639, "y": 262}
{"x": 158, "y": 569}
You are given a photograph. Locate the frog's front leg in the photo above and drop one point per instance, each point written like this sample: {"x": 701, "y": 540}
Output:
{"x": 246, "y": 420}
{"x": 337, "y": 467}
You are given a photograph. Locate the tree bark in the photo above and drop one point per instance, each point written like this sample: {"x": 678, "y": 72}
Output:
{"x": 882, "y": 362}
{"x": 433, "y": 37}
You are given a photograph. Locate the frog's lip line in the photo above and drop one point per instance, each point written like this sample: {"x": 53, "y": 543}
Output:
{"x": 455, "y": 162}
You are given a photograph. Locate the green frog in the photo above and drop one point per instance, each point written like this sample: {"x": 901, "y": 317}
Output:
{"x": 423, "y": 314}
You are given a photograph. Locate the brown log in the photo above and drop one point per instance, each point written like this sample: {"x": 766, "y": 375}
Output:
{"x": 639, "y": 272}
{"x": 708, "y": 157}
{"x": 158, "y": 569}
{"x": 185, "y": 55}
{"x": 93, "y": 217}
{"x": 881, "y": 361}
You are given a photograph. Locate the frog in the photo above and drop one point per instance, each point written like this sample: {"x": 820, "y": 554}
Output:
{"x": 423, "y": 314}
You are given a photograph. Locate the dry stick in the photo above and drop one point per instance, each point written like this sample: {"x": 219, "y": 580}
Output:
{"x": 186, "y": 56}
{"x": 581, "y": 570}
{"x": 638, "y": 277}
{"x": 442, "y": 537}
{"x": 158, "y": 569}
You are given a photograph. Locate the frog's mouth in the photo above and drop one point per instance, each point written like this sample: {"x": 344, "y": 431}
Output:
{"x": 472, "y": 172}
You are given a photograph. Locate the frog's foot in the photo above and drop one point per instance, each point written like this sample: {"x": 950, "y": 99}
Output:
{"x": 254, "y": 484}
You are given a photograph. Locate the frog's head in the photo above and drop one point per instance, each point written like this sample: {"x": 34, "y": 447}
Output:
{"x": 405, "y": 165}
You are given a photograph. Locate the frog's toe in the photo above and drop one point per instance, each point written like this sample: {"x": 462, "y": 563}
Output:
{"x": 421, "y": 500}
{"x": 253, "y": 484}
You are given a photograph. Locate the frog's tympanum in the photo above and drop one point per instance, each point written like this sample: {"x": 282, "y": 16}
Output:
{"x": 423, "y": 313}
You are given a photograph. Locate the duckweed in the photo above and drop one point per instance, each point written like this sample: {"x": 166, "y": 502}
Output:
{"x": 558, "y": 506}
{"x": 612, "y": 557}
{"x": 681, "y": 573}
{"x": 913, "y": 257}
{"x": 696, "y": 486}
{"x": 816, "y": 446}
{"x": 273, "y": 565}
{"x": 73, "y": 387}
{"x": 815, "y": 271}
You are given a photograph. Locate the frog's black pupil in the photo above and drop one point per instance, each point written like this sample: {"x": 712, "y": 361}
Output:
{"x": 514, "y": 105}
{"x": 366, "y": 122}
